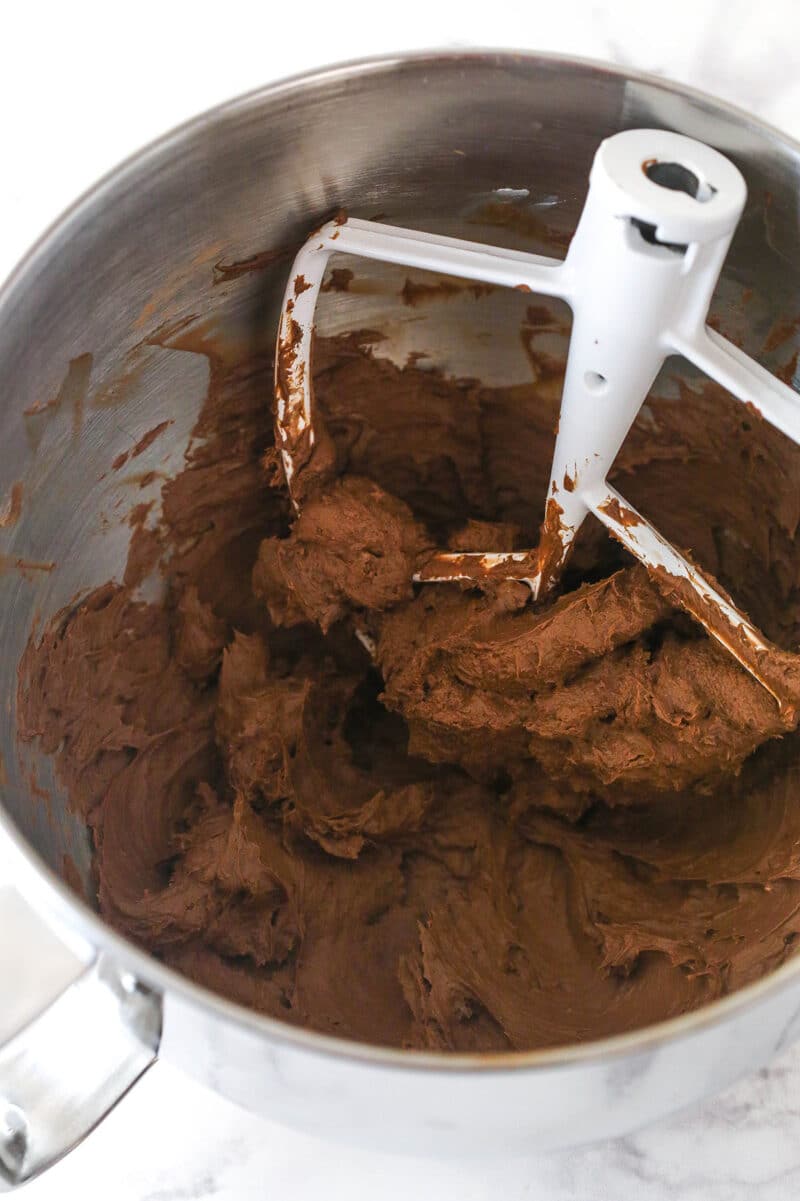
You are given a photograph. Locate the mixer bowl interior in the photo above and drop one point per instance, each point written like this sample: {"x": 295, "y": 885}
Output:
{"x": 197, "y": 234}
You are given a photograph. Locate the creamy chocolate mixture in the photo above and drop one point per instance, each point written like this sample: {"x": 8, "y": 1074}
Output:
{"x": 512, "y": 826}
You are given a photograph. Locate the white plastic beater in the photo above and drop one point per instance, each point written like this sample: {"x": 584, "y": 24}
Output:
{"x": 639, "y": 275}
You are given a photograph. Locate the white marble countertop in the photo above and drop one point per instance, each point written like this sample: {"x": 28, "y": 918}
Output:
{"x": 170, "y": 1140}
{"x": 87, "y": 83}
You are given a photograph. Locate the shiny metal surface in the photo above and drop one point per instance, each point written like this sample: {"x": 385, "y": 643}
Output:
{"x": 426, "y": 141}
{"x": 83, "y": 1032}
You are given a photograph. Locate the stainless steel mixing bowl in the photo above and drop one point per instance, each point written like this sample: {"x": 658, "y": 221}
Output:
{"x": 427, "y": 140}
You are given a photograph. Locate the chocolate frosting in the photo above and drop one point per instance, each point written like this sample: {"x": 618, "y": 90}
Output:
{"x": 424, "y": 816}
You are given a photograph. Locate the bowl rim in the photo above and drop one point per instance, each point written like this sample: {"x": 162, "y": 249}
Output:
{"x": 77, "y": 922}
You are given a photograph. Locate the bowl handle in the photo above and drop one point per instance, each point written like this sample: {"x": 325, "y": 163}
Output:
{"x": 75, "y": 1033}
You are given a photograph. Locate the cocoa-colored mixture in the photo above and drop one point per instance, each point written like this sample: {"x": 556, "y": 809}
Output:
{"x": 514, "y": 826}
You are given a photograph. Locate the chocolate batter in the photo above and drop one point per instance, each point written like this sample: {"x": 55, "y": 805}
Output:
{"x": 508, "y": 827}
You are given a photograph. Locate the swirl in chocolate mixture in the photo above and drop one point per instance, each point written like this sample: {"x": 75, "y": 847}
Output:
{"x": 515, "y": 826}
